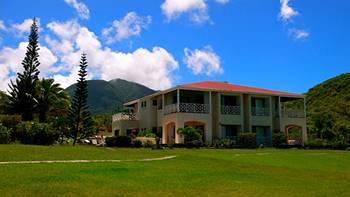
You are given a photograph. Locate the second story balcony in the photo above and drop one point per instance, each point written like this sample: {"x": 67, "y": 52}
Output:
{"x": 186, "y": 108}
{"x": 292, "y": 113}
{"x": 124, "y": 116}
{"x": 230, "y": 110}
{"x": 260, "y": 111}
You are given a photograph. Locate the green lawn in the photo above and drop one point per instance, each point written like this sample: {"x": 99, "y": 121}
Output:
{"x": 204, "y": 172}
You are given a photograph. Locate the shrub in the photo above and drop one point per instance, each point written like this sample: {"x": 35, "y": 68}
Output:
{"x": 147, "y": 144}
{"x": 10, "y": 121}
{"x": 4, "y": 135}
{"x": 111, "y": 141}
{"x": 146, "y": 133}
{"x": 247, "y": 140}
{"x": 316, "y": 143}
{"x": 193, "y": 137}
{"x": 118, "y": 141}
{"x": 279, "y": 139}
{"x": 137, "y": 143}
{"x": 35, "y": 133}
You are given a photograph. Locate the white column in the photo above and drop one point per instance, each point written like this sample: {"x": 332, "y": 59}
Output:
{"x": 242, "y": 112}
{"x": 305, "y": 107}
{"x": 165, "y": 134}
{"x": 178, "y": 100}
{"x": 280, "y": 113}
{"x": 279, "y": 107}
{"x": 163, "y": 103}
{"x": 210, "y": 102}
{"x": 304, "y": 129}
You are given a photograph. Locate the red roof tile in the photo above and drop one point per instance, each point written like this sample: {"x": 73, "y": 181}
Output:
{"x": 214, "y": 85}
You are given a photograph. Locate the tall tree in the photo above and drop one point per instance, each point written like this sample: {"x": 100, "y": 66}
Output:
{"x": 79, "y": 114}
{"x": 22, "y": 92}
{"x": 50, "y": 97}
{"x": 3, "y": 102}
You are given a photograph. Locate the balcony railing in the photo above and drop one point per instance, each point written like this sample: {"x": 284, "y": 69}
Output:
{"x": 168, "y": 109}
{"x": 124, "y": 116}
{"x": 187, "y": 108}
{"x": 260, "y": 111}
{"x": 230, "y": 110}
{"x": 292, "y": 113}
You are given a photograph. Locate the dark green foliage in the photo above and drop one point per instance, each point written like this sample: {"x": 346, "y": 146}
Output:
{"x": 192, "y": 136}
{"x": 4, "y": 100}
{"x": 50, "y": 98}
{"x": 61, "y": 125}
{"x": 35, "y": 133}
{"x": 118, "y": 141}
{"x": 148, "y": 144}
{"x": 108, "y": 96}
{"x": 21, "y": 99}
{"x": 146, "y": 133}
{"x": 10, "y": 121}
{"x": 137, "y": 143}
{"x": 247, "y": 140}
{"x": 279, "y": 139}
{"x": 328, "y": 110}
{"x": 111, "y": 141}
{"x": 80, "y": 118}
{"x": 4, "y": 135}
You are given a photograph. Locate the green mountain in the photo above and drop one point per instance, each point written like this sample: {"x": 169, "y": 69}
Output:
{"x": 326, "y": 95}
{"x": 105, "y": 97}
{"x": 328, "y": 109}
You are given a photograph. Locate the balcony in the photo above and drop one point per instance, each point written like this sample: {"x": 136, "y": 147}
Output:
{"x": 124, "y": 116}
{"x": 187, "y": 108}
{"x": 230, "y": 110}
{"x": 292, "y": 113}
{"x": 260, "y": 111}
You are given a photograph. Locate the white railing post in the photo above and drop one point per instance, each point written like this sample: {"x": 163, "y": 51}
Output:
{"x": 178, "y": 100}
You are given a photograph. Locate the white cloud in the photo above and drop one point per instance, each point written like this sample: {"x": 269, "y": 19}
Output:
{"x": 11, "y": 59}
{"x": 203, "y": 61}
{"x": 197, "y": 9}
{"x": 81, "y": 8}
{"x": 2, "y": 26}
{"x": 299, "y": 34}
{"x": 21, "y": 28}
{"x": 222, "y": 2}
{"x": 130, "y": 25}
{"x": 152, "y": 68}
{"x": 66, "y": 41}
{"x": 287, "y": 12}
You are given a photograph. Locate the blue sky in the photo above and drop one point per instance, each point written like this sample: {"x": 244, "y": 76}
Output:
{"x": 283, "y": 45}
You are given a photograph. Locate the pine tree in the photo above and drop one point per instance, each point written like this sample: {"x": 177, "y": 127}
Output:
{"x": 22, "y": 92}
{"x": 80, "y": 117}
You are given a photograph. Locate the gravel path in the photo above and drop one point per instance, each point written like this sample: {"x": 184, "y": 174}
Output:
{"x": 85, "y": 161}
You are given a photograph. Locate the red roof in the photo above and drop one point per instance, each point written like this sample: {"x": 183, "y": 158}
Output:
{"x": 223, "y": 86}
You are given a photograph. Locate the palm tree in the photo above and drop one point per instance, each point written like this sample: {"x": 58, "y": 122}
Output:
{"x": 50, "y": 97}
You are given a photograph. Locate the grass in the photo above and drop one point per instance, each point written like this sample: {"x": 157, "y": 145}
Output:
{"x": 204, "y": 172}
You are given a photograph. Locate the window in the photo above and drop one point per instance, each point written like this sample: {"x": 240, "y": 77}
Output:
{"x": 154, "y": 102}
{"x": 229, "y": 100}
{"x": 116, "y": 132}
{"x": 229, "y": 131}
{"x": 144, "y": 104}
{"x": 258, "y": 102}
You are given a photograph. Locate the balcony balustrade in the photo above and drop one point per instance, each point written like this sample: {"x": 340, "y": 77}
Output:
{"x": 292, "y": 113}
{"x": 124, "y": 116}
{"x": 230, "y": 110}
{"x": 187, "y": 108}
